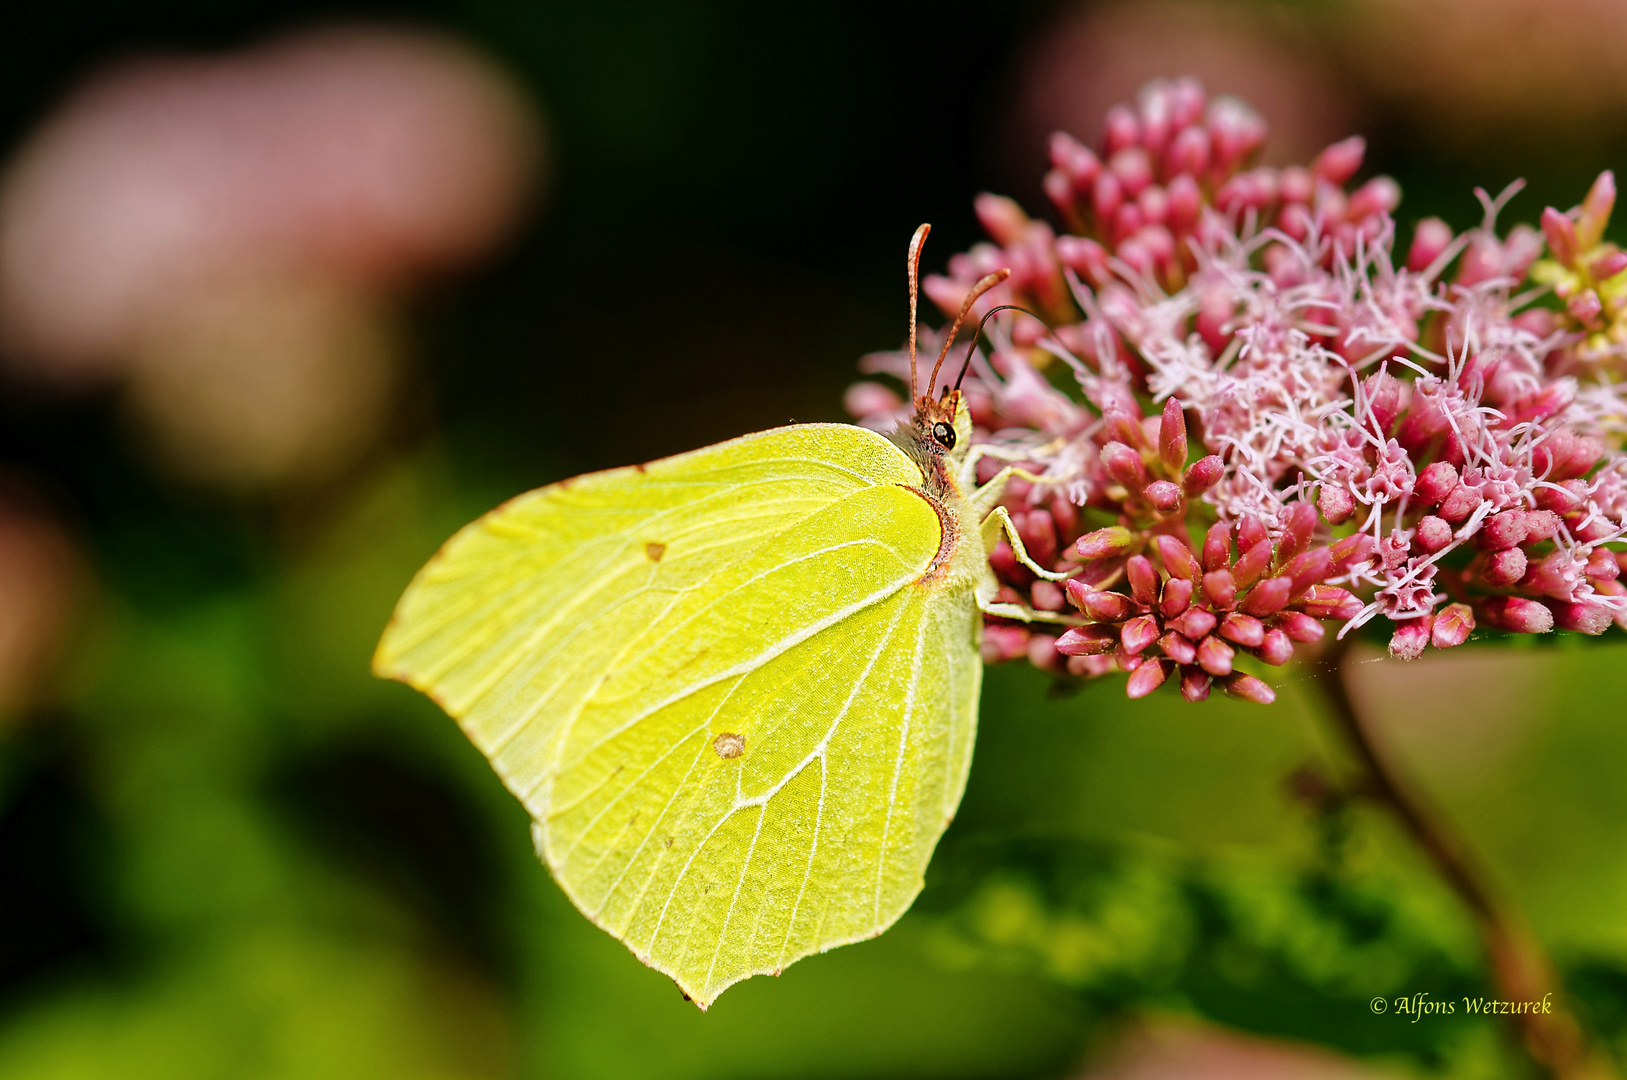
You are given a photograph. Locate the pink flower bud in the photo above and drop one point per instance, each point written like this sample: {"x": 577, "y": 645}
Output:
{"x": 1561, "y": 234}
{"x": 1046, "y": 596}
{"x": 1042, "y": 652}
{"x": 1339, "y": 162}
{"x": 1194, "y": 684}
{"x": 1203, "y": 475}
{"x": 1500, "y": 531}
{"x": 1602, "y": 566}
{"x": 1276, "y": 649}
{"x": 1172, "y": 438}
{"x": 1038, "y": 532}
{"x": 1384, "y": 392}
{"x": 1000, "y": 217}
{"x": 1601, "y": 199}
{"x": 1185, "y": 203}
{"x": 1177, "y": 595}
{"x": 1243, "y": 629}
{"x": 1482, "y": 259}
{"x": 1106, "y": 195}
{"x": 1059, "y": 189}
{"x": 1585, "y": 307}
{"x": 1518, "y": 615}
{"x": 1330, "y": 602}
{"x": 1217, "y": 547}
{"x": 1458, "y": 505}
{"x": 1594, "y": 531}
{"x": 1235, "y": 131}
{"x": 1073, "y": 158}
{"x": 1249, "y": 532}
{"x": 1504, "y": 568}
{"x": 1164, "y": 496}
{"x": 1355, "y": 548}
{"x": 1410, "y": 638}
{"x": 1307, "y": 568}
{"x": 1100, "y": 604}
{"x": 1540, "y": 525}
{"x": 1133, "y": 168}
{"x": 1380, "y": 195}
{"x": 1433, "y": 534}
{"x": 1296, "y": 185}
{"x": 1215, "y": 656}
{"x": 1154, "y": 205}
{"x": 1143, "y": 580}
{"x": 1121, "y": 130}
{"x": 1608, "y": 266}
{"x": 1268, "y": 597}
{"x": 1177, "y": 558}
{"x": 1296, "y": 221}
{"x": 1431, "y": 237}
{"x": 1079, "y": 640}
{"x": 1194, "y": 623}
{"x": 1125, "y": 466}
{"x": 1300, "y": 626}
{"x": 1177, "y": 647}
{"x": 1587, "y": 617}
{"x": 1452, "y": 626}
{"x": 1336, "y": 504}
{"x": 1301, "y": 524}
{"x": 1187, "y": 154}
{"x": 1085, "y": 257}
{"x": 1254, "y": 562}
{"x": 1248, "y": 688}
{"x": 1126, "y": 223}
{"x": 1219, "y": 587}
{"x": 1147, "y": 678}
{"x": 1002, "y": 643}
{"x": 1105, "y": 543}
{"x": 1437, "y": 481}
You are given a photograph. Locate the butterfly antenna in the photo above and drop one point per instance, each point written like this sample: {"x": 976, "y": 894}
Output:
{"x": 972, "y": 297}
{"x": 970, "y": 349}
{"x": 915, "y": 274}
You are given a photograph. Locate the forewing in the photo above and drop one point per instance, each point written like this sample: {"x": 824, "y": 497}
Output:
{"x": 596, "y": 638}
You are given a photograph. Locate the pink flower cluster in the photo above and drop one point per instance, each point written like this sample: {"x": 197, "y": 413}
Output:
{"x": 1435, "y": 442}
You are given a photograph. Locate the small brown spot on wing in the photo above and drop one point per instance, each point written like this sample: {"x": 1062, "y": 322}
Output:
{"x": 729, "y": 745}
{"x": 669, "y": 841}
{"x": 653, "y": 551}
{"x": 641, "y": 468}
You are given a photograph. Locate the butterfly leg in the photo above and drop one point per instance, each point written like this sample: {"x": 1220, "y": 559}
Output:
{"x": 998, "y": 522}
{"x": 968, "y": 468}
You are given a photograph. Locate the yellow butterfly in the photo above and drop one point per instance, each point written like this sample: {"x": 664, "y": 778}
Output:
{"x": 736, "y": 689}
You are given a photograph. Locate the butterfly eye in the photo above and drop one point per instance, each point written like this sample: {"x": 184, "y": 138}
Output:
{"x": 944, "y": 434}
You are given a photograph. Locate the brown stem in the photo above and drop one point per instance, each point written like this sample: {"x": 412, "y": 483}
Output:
{"x": 1520, "y": 969}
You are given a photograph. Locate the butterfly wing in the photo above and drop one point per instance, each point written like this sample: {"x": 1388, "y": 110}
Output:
{"x": 738, "y": 718}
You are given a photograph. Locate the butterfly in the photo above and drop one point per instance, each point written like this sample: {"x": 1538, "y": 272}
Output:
{"x": 736, "y": 689}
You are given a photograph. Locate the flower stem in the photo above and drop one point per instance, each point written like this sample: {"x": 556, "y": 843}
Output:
{"x": 1520, "y": 969}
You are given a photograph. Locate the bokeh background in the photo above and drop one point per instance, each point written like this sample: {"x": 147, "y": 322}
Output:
{"x": 290, "y": 291}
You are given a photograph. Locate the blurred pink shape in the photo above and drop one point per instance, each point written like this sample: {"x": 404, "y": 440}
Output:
{"x": 1172, "y": 1051}
{"x": 367, "y": 155}
{"x": 1078, "y": 67}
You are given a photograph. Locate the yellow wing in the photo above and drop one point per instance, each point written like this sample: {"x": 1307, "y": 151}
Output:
{"x": 738, "y": 720}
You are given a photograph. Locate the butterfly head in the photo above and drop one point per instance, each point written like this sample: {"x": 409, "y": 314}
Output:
{"x": 943, "y": 426}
